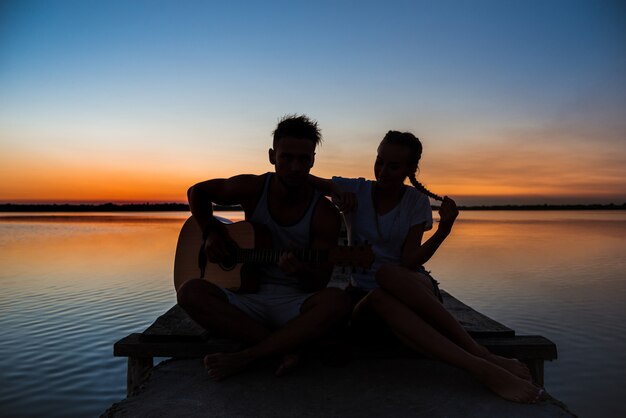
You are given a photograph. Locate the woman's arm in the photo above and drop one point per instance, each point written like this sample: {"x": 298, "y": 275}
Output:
{"x": 345, "y": 201}
{"x": 414, "y": 254}
{"x": 326, "y": 186}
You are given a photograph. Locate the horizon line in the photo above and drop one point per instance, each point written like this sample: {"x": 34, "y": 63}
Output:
{"x": 176, "y": 206}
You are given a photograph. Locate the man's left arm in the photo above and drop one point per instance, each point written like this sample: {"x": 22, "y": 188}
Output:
{"x": 325, "y": 227}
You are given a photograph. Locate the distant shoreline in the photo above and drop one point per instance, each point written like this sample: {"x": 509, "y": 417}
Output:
{"x": 183, "y": 207}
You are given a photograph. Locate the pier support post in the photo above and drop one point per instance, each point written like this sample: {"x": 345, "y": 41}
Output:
{"x": 138, "y": 371}
{"x": 536, "y": 370}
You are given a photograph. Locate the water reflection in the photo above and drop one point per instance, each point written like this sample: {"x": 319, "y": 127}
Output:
{"x": 72, "y": 284}
{"x": 563, "y": 279}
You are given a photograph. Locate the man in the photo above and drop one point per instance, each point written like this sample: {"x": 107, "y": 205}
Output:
{"x": 292, "y": 305}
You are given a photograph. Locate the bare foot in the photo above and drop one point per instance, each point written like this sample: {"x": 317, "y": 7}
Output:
{"x": 222, "y": 365}
{"x": 289, "y": 362}
{"x": 507, "y": 385}
{"x": 512, "y": 365}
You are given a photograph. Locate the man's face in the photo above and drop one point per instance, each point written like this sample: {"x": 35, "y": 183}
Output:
{"x": 293, "y": 159}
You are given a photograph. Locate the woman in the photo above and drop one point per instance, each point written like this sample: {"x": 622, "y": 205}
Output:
{"x": 397, "y": 290}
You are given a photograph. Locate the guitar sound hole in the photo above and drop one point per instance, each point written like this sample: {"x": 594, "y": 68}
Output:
{"x": 230, "y": 261}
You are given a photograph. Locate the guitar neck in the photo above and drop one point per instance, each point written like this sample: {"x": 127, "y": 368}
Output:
{"x": 264, "y": 256}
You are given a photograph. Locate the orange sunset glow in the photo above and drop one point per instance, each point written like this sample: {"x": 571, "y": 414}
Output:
{"x": 486, "y": 177}
{"x": 97, "y": 108}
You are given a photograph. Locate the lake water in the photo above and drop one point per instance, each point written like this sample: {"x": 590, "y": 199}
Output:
{"x": 73, "y": 284}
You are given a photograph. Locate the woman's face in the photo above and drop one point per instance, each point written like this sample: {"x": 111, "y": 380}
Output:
{"x": 392, "y": 165}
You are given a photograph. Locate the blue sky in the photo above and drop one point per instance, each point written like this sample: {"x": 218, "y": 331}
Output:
{"x": 515, "y": 101}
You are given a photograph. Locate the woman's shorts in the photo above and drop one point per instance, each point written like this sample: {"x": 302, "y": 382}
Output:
{"x": 434, "y": 282}
{"x": 356, "y": 293}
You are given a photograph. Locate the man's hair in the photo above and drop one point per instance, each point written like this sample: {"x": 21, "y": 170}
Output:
{"x": 297, "y": 126}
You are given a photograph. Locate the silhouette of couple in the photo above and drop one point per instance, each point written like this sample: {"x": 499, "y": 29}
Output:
{"x": 291, "y": 307}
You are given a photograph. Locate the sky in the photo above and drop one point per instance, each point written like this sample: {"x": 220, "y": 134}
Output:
{"x": 515, "y": 102}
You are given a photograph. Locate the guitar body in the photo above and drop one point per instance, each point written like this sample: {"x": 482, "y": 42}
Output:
{"x": 229, "y": 275}
{"x": 256, "y": 242}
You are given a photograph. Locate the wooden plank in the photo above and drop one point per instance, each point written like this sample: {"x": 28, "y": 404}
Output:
{"x": 475, "y": 323}
{"x": 175, "y": 325}
{"x": 135, "y": 346}
{"x": 521, "y": 347}
{"x": 174, "y": 334}
{"x": 532, "y": 350}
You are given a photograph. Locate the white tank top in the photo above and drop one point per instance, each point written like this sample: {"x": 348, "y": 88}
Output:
{"x": 297, "y": 235}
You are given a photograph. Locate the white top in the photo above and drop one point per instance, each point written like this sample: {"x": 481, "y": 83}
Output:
{"x": 297, "y": 234}
{"x": 385, "y": 233}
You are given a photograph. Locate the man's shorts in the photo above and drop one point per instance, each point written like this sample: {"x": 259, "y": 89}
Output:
{"x": 273, "y": 305}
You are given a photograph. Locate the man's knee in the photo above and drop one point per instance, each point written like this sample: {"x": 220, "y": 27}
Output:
{"x": 186, "y": 295}
{"x": 195, "y": 293}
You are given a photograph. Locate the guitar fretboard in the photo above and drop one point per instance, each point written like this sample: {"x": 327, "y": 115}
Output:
{"x": 261, "y": 255}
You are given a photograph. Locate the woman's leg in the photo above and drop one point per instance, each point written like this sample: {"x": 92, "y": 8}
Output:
{"x": 415, "y": 291}
{"x": 421, "y": 336}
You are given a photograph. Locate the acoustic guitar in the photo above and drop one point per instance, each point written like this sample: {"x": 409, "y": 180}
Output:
{"x": 253, "y": 247}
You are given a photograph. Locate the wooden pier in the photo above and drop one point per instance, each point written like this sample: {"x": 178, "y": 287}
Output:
{"x": 175, "y": 335}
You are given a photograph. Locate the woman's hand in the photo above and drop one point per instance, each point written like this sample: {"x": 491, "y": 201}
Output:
{"x": 345, "y": 201}
{"x": 447, "y": 213}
